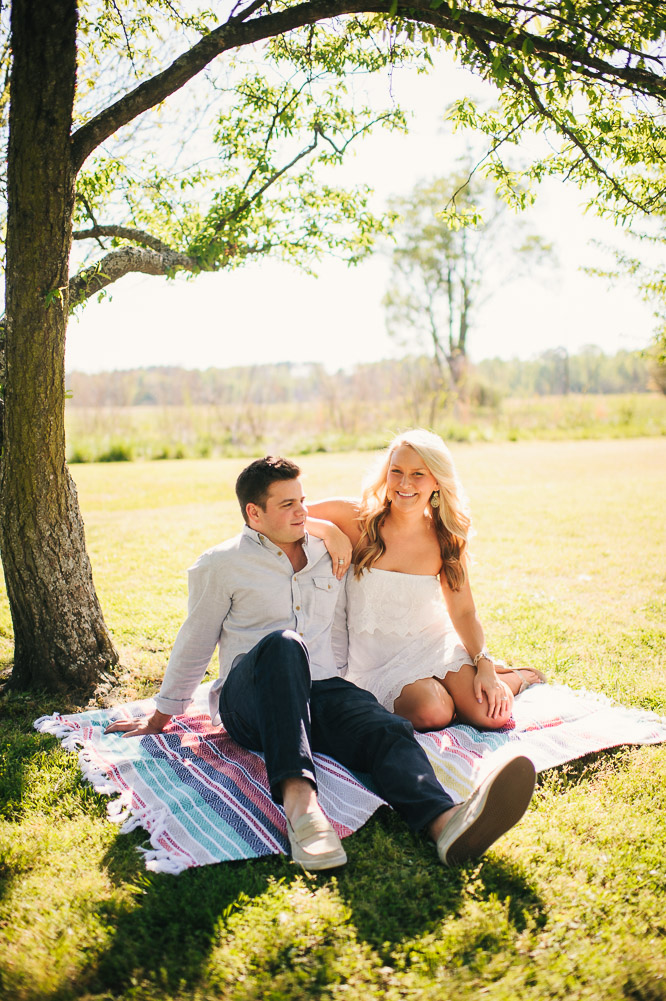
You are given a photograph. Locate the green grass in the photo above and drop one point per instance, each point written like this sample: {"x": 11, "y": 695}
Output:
{"x": 568, "y": 575}
{"x": 106, "y": 434}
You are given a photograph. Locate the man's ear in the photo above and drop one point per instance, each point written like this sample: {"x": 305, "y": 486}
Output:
{"x": 251, "y": 510}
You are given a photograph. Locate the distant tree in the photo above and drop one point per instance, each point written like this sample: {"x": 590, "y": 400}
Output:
{"x": 657, "y": 365}
{"x": 586, "y": 369}
{"x": 456, "y": 242}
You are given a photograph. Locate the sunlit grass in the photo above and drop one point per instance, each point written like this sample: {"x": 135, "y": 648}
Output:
{"x": 568, "y": 573}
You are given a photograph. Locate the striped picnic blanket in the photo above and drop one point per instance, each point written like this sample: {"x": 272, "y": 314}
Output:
{"x": 204, "y": 799}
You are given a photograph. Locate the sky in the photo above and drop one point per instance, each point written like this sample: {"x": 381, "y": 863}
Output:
{"x": 271, "y": 312}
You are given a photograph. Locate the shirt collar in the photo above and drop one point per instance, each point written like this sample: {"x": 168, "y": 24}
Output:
{"x": 262, "y": 540}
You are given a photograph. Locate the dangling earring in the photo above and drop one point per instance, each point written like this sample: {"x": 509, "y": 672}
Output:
{"x": 434, "y": 498}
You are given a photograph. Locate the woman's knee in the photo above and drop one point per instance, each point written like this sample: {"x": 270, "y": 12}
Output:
{"x": 427, "y": 719}
{"x": 427, "y": 714}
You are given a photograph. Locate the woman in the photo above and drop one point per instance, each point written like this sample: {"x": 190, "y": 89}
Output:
{"x": 423, "y": 658}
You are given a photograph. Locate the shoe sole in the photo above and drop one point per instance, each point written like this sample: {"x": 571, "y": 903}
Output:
{"x": 318, "y": 865}
{"x": 503, "y": 804}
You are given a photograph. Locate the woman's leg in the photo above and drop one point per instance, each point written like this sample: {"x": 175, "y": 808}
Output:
{"x": 520, "y": 678}
{"x": 426, "y": 704}
{"x": 460, "y": 687}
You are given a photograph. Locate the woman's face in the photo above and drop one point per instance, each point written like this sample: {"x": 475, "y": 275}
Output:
{"x": 409, "y": 482}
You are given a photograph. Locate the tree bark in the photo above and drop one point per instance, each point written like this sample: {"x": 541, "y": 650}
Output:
{"x": 125, "y": 261}
{"x": 61, "y": 640}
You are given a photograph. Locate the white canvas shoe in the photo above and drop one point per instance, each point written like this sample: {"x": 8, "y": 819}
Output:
{"x": 498, "y": 804}
{"x": 314, "y": 843}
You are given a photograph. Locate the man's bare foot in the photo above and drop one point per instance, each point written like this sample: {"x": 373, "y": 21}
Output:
{"x": 439, "y": 823}
{"x": 299, "y": 798}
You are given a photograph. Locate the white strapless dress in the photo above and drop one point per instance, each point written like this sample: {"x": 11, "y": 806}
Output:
{"x": 399, "y": 632}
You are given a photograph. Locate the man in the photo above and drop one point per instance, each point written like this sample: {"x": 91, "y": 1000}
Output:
{"x": 268, "y": 599}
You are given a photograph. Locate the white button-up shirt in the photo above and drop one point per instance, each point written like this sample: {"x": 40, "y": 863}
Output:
{"x": 240, "y": 591}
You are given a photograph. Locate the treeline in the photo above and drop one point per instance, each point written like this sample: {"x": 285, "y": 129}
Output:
{"x": 553, "y": 372}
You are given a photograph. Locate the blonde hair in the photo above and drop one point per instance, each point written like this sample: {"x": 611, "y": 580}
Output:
{"x": 451, "y": 519}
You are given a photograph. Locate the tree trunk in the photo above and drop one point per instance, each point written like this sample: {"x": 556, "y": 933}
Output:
{"x": 61, "y": 640}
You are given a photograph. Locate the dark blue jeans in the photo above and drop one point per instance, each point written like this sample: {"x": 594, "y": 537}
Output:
{"x": 269, "y": 703}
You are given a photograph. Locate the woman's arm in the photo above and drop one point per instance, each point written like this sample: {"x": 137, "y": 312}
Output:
{"x": 466, "y": 622}
{"x": 337, "y": 543}
{"x": 335, "y": 521}
{"x": 341, "y": 511}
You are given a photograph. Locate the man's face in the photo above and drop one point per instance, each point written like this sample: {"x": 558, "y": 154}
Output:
{"x": 283, "y": 521}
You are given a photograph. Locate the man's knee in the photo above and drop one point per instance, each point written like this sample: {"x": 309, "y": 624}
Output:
{"x": 284, "y": 649}
{"x": 283, "y": 637}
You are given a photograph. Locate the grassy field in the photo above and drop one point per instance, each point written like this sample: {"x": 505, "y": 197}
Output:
{"x": 106, "y": 434}
{"x": 569, "y": 574}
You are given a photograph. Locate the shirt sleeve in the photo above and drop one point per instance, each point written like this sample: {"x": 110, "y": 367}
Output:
{"x": 208, "y": 604}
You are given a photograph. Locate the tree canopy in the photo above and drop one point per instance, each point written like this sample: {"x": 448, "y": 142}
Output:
{"x": 587, "y": 78}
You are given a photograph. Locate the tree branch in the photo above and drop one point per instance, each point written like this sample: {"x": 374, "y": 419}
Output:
{"x": 248, "y": 11}
{"x": 571, "y": 135}
{"x": 235, "y": 33}
{"x": 591, "y": 33}
{"x": 121, "y": 262}
{"x": 123, "y": 233}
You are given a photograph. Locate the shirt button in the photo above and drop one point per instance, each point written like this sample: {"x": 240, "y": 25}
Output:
{"x": 280, "y": 553}
{"x": 300, "y": 634}
{"x": 298, "y": 608}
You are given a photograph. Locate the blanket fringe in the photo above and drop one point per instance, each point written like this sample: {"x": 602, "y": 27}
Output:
{"x": 92, "y": 772}
{"x": 160, "y": 860}
{"x": 119, "y": 809}
{"x": 54, "y": 725}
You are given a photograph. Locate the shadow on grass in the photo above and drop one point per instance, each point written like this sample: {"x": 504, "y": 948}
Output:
{"x": 164, "y": 928}
{"x": 34, "y": 759}
{"x": 36, "y": 773}
{"x": 586, "y": 769}
{"x": 397, "y": 889}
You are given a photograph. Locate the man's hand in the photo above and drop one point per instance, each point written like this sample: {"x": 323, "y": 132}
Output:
{"x": 140, "y": 727}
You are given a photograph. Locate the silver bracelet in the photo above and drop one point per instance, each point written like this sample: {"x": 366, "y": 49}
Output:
{"x": 481, "y": 655}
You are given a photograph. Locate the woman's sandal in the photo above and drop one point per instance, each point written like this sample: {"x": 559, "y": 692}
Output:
{"x": 524, "y": 683}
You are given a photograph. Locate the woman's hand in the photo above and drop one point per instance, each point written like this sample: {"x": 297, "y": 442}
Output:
{"x": 497, "y": 692}
{"x": 337, "y": 543}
